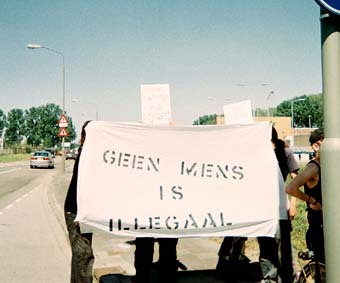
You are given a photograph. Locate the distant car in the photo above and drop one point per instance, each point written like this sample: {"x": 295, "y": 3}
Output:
{"x": 51, "y": 150}
{"x": 71, "y": 154}
{"x": 42, "y": 159}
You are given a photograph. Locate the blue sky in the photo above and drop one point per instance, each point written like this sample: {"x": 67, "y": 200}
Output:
{"x": 201, "y": 48}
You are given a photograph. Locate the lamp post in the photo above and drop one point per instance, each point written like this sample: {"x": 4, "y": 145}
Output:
{"x": 92, "y": 103}
{"x": 37, "y": 46}
{"x": 292, "y": 122}
{"x": 268, "y": 97}
{"x": 265, "y": 84}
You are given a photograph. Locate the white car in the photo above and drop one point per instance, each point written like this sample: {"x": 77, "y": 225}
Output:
{"x": 42, "y": 159}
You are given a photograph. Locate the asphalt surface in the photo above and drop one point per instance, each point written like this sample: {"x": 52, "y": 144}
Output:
{"x": 33, "y": 247}
{"x": 115, "y": 255}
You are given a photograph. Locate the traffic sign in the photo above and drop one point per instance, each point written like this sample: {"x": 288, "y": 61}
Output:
{"x": 332, "y": 6}
{"x": 63, "y": 132}
{"x": 63, "y": 121}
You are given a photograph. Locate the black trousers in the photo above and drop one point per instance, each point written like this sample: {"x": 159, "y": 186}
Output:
{"x": 314, "y": 234}
{"x": 232, "y": 248}
{"x": 269, "y": 249}
{"x": 167, "y": 262}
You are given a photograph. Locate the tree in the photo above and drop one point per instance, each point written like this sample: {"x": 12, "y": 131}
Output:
{"x": 307, "y": 112}
{"x": 15, "y": 127}
{"x": 41, "y": 124}
{"x": 206, "y": 120}
{"x": 2, "y": 122}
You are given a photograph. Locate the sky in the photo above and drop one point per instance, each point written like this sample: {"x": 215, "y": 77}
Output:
{"x": 210, "y": 52}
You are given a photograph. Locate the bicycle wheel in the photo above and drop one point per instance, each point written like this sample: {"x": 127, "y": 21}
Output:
{"x": 310, "y": 271}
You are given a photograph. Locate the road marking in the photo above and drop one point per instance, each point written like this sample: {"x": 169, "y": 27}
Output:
{"x": 10, "y": 170}
{"x": 9, "y": 206}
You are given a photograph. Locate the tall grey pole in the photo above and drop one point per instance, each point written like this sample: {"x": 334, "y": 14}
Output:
{"x": 330, "y": 149}
{"x": 63, "y": 156}
{"x": 37, "y": 46}
{"x": 292, "y": 122}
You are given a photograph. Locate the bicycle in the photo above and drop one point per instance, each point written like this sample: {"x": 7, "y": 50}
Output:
{"x": 312, "y": 271}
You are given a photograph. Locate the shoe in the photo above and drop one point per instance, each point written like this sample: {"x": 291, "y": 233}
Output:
{"x": 234, "y": 270}
{"x": 269, "y": 270}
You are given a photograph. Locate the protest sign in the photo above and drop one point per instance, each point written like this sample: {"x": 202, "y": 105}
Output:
{"x": 238, "y": 113}
{"x": 155, "y": 99}
{"x": 184, "y": 181}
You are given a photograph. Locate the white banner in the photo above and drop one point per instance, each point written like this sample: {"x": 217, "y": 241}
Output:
{"x": 184, "y": 181}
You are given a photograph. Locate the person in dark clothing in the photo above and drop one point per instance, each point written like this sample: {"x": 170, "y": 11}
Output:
{"x": 269, "y": 247}
{"x": 81, "y": 243}
{"x": 310, "y": 179}
{"x": 231, "y": 253}
{"x": 166, "y": 266}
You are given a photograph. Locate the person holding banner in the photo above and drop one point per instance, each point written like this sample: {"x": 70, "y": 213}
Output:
{"x": 81, "y": 243}
{"x": 269, "y": 247}
{"x": 166, "y": 267}
{"x": 310, "y": 178}
{"x": 232, "y": 261}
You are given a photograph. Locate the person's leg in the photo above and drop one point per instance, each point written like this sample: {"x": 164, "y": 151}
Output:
{"x": 167, "y": 262}
{"x": 269, "y": 259}
{"x": 225, "y": 247}
{"x": 286, "y": 264}
{"x": 143, "y": 259}
{"x": 82, "y": 254}
{"x": 269, "y": 249}
{"x": 232, "y": 248}
{"x": 314, "y": 235}
{"x": 317, "y": 243}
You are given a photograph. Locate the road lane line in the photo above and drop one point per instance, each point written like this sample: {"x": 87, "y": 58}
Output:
{"x": 9, "y": 206}
{"x": 11, "y": 170}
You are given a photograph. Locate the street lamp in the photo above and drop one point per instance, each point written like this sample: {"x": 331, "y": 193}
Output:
{"x": 37, "y": 46}
{"x": 92, "y": 103}
{"x": 268, "y": 97}
{"x": 243, "y": 84}
{"x": 292, "y": 122}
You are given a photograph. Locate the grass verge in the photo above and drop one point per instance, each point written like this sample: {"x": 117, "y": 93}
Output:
{"x": 4, "y": 158}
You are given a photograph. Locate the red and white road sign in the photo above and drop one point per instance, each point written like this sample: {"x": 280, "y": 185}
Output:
{"x": 63, "y": 132}
{"x": 63, "y": 121}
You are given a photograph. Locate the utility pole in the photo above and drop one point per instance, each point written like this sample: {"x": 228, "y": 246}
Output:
{"x": 330, "y": 149}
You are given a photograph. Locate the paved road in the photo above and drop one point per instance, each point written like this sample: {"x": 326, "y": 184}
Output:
{"x": 33, "y": 247}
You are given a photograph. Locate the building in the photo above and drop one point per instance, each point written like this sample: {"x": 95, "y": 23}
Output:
{"x": 285, "y": 131}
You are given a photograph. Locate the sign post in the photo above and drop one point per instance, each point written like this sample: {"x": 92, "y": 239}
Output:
{"x": 330, "y": 149}
{"x": 63, "y": 124}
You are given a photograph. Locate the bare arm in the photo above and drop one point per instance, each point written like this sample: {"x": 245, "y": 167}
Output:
{"x": 308, "y": 175}
{"x": 292, "y": 206}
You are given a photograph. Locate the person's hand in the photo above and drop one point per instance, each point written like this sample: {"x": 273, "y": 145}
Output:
{"x": 292, "y": 208}
{"x": 292, "y": 212}
{"x": 317, "y": 206}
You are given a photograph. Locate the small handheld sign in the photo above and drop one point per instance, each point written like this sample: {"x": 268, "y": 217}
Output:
{"x": 332, "y": 6}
